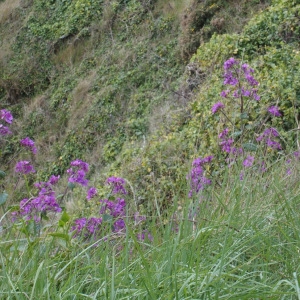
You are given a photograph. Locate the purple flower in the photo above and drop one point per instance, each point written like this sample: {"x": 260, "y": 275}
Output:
{"x": 217, "y": 106}
{"x": 79, "y": 226}
{"x": 119, "y": 225}
{"x": 236, "y": 94}
{"x": 230, "y": 79}
{"x": 226, "y": 145}
{"x": 242, "y": 174}
{"x": 197, "y": 177}
{"x": 28, "y": 143}
{"x": 143, "y": 235}
{"x": 138, "y": 218}
{"x": 251, "y": 80}
{"x": 237, "y": 151}
{"x": 246, "y": 93}
{"x": 274, "y": 110}
{"x": 54, "y": 179}
{"x": 78, "y": 172}
{"x": 117, "y": 183}
{"x": 81, "y": 165}
{"x": 229, "y": 63}
{"x": 296, "y": 154}
{"x": 248, "y": 162}
{"x": 273, "y": 144}
{"x": 93, "y": 225}
{"x": 224, "y": 93}
{"x": 24, "y": 167}
{"x": 4, "y": 130}
{"x": 115, "y": 209}
{"x": 224, "y": 133}
{"x": 246, "y": 68}
{"x": 254, "y": 95}
{"x": 45, "y": 201}
{"x": 92, "y": 192}
{"x": 267, "y": 136}
{"x": 6, "y": 116}
{"x": 268, "y": 133}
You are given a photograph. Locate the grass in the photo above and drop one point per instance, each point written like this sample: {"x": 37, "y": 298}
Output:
{"x": 243, "y": 243}
{"x": 6, "y": 8}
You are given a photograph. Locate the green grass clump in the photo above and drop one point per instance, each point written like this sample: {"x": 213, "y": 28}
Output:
{"x": 241, "y": 241}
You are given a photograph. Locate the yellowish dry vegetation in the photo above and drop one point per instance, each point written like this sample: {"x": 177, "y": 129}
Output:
{"x": 6, "y": 8}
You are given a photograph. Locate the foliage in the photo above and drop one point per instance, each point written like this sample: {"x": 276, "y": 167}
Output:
{"x": 165, "y": 232}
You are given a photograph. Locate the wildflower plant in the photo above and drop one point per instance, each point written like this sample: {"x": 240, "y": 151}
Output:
{"x": 244, "y": 127}
{"x": 242, "y": 120}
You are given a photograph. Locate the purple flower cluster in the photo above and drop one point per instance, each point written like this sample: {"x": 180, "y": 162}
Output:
{"x": 8, "y": 118}
{"x": 274, "y": 110}
{"x": 28, "y": 143}
{"x": 138, "y": 218}
{"x": 226, "y": 142}
{"x": 92, "y": 192}
{"x": 78, "y": 171}
{"x": 145, "y": 235}
{"x": 117, "y": 184}
{"x": 24, "y": 167}
{"x": 225, "y": 93}
{"x": 217, "y": 106}
{"x": 91, "y": 227}
{"x": 268, "y": 136}
{"x": 248, "y": 162}
{"x": 197, "y": 176}
{"x": 86, "y": 227}
{"x": 115, "y": 209}
{"x": 44, "y": 202}
{"x": 232, "y": 76}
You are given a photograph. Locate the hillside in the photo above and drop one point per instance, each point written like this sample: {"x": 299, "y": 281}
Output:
{"x": 149, "y": 149}
{"x": 111, "y": 82}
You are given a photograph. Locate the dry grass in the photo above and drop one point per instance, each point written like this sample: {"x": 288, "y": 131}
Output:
{"x": 171, "y": 8}
{"x": 6, "y": 9}
{"x": 70, "y": 54}
{"x": 81, "y": 99}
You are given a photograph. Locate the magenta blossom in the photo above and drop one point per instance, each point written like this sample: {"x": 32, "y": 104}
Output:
{"x": 217, "y": 106}
{"x": 78, "y": 172}
{"x": 4, "y": 130}
{"x": 6, "y": 116}
{"x": 228, "y": 64}
{"x": 92, "y": 192}
{"x": 197, "y": 177}
{"x": 24, "y": 167}
{"x": 248, "y": 162}
{"x": 117, "y": 183}
{"x": 28, "y": 143}
{"x": 274, "y": 110}
{"x": 225, "y": 93}
{"x": 54, "y": 179}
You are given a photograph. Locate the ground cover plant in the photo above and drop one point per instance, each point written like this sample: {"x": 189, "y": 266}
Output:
{"x": 149, "y": 149}
{"x": 233, "y": 235}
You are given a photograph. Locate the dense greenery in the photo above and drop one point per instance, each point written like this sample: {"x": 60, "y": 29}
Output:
{"x": 129, "y": 86}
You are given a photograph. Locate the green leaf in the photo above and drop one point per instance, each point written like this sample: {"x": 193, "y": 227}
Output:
{"x": 237, "y": 133}
{"x": 3, "y": 198}
{"x": 60, "y": 235}
{"x": 250, "y": 146}
{"x": 71, "y": 185}
{"x": 2, "y": 174}
{"x": 65, "y": 217}
{"x": 107, "y": 218}
{"x": 244, "y": 116}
